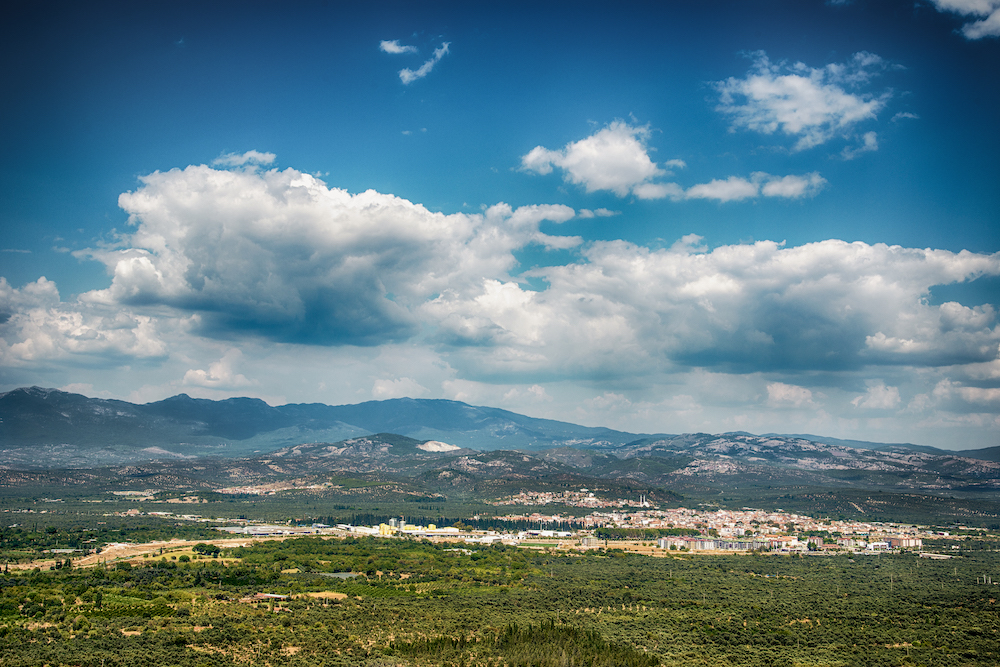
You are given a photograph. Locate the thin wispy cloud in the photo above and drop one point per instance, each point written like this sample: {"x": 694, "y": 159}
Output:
{"x": 408, "y": 76}
{"x": 597, "y": 213}
{"x": 869, "y": 144}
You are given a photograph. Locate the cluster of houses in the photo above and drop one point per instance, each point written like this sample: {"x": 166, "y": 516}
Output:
{"x": 789, "y": 543}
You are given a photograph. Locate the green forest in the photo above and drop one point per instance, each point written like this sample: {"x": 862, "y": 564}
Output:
{"x": 383, "y": 602}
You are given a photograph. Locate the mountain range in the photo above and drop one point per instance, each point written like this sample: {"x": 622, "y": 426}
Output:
{"x": 442, "y": 444}
{"x": 49, "y": 427}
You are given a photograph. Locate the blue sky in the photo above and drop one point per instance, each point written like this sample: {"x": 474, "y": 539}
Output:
{"x": 762, "y": 216}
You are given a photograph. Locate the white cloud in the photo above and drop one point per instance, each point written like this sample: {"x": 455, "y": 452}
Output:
{"x": 781, "y": 395}
{"x": 397, "y": 388}
{"x": 989, "y": 370}
{"x": 408, "y": 76}
{"x": 393, "y": 46}
{"x": 239, "y": 160}
{"x": 597, "y": 213}
{"x": 658, "y": 191}
{"x": 615, "y": 158}
{"x": 950, "y": 331}
{"x": 878, "y": 397}
{"x": 869, "y": 144}
{"x": 220, "y": 374}
{"x": 42, "y": 292}
{"x": 84, "y": 388}
{"x": 733, "y": 188}
{"x": 989, "y": 11}
{"x": 277, "y": 254}
{"x": 902, "y": 115}
{"x": 792, "y": 187}
{"x": 809, "y": 104}
{"x": 987, "y": 395}
{"x": 36, "y": 327}
{"x": 947, "y": 389}
{"x": 609, "y": 400}
{"x": 534, "y": 394}
{"x": 627, "y": 311}
{"x": 687, "y": 244}
{"x": 737, "y": 188}
{"x": 951, "y": 403}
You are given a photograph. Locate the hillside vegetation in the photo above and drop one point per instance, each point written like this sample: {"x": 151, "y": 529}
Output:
{"x": 416, "y": 603}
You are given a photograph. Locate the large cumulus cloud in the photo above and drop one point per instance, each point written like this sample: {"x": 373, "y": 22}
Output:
{"x": 627, "y": 309}
{"x": 278, "y": 254}
{"x": 37, "y": 328}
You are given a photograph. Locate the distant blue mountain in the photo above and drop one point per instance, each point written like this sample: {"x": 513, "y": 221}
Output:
{"x": 64, "y": 425}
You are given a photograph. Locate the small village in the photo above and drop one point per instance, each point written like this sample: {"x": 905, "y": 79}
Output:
{"x": 623, "y": 522}
{"x": 705, "y": 529}
{"x": 632, "y": 524}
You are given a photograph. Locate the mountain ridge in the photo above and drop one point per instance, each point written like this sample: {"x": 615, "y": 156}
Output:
{"x": 45, "y": 428}
{"x": 985, "y": 453}
{"x": 67, "y": 426}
